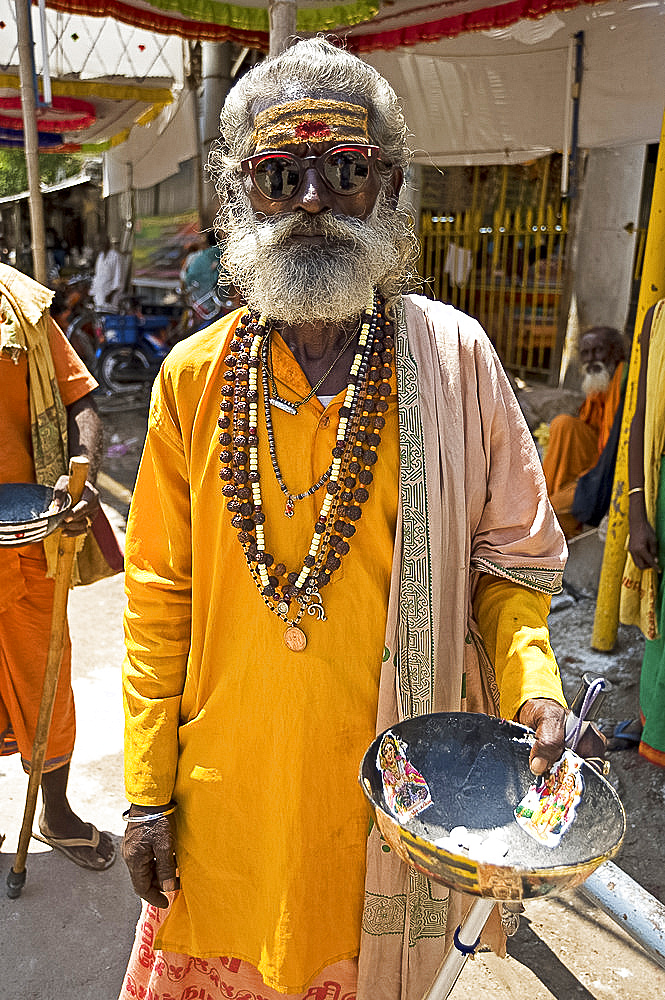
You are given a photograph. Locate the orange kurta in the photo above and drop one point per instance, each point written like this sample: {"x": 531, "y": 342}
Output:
{"x": 26, "y": 595}
{"x": 255, "y": 807}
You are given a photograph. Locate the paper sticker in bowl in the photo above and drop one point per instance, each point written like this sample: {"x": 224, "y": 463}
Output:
{"x": 549, "y": 807}
{"x": 405, "y": 790}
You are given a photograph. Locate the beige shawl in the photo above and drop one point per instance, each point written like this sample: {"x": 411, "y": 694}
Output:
{"x": 472, "y": 500}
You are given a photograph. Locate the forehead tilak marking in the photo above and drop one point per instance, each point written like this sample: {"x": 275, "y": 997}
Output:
{"x": 310, "y": 120}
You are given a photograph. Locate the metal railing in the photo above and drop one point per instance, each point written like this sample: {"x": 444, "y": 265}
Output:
{"x": 508, "y": 274}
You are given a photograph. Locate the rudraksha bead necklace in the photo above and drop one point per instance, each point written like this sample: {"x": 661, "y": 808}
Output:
{"x": 347, "y": 479}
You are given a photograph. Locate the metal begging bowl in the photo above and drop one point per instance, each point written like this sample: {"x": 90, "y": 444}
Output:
{"x": 25, "y": 514}
{"x": 477, "y": 771}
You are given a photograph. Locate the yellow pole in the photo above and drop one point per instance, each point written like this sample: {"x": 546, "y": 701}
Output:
{"x": 652, "y": 289}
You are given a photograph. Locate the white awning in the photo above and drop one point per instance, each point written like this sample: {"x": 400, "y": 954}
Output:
{"x": 502, "y": 96}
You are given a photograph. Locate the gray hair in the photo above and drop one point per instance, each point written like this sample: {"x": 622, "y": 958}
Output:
{"x": 309, "y": 67}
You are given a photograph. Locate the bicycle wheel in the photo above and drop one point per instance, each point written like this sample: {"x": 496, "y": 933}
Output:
{"x": 121, "y": 368}
{"x": 81, "y": 334}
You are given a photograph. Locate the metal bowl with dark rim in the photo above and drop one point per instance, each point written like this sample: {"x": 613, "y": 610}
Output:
{"x": 28, "y": 513}
{"x": 477, "y": 771}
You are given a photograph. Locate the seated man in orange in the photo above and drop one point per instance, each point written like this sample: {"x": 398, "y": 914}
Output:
{"x": 576, "y": 443}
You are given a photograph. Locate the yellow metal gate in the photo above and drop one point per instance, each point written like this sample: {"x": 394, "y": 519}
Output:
{"x": 508, "y": 274}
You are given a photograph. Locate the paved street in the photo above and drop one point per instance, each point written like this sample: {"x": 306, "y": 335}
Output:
{"x": 69, "y": 934}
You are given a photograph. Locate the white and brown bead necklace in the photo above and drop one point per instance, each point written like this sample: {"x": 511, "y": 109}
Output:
{"x": 267, "y": 379}
{"x": 347, "y": 478}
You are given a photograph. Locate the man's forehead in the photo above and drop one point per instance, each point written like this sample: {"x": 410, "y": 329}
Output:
{"x": 594, "y": 338}
{"x": 309, "y": 120}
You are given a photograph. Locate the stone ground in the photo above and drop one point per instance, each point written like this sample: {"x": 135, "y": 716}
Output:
{"x": 69, "y": 933}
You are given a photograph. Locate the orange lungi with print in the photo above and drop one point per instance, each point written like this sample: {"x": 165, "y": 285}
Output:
{"x": 165, "y": 975}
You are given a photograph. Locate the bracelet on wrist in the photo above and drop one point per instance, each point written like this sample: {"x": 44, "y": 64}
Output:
{"x": 148, "y": 817}
{"x": 636, "y": 489}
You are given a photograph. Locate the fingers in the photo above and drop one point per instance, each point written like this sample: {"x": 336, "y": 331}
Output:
{"x": 165, "y": 869}
{"x": 141, "y": 867}
{"x": 643, "y": 546}
{"x": 78, "y": 520}
{"x": 148, "y": 851}
{"x": 548, "y": 719}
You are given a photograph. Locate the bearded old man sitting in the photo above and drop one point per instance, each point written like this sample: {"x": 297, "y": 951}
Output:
{"x": 576, "y": 443}
{"x": 340, "y": 520}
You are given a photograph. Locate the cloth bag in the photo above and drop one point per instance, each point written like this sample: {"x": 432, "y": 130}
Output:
{"x": 100, "y": 556}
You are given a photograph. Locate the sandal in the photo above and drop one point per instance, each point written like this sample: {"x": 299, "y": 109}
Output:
{"x": 93, "y": 860}
{"x": 627, "y": 735}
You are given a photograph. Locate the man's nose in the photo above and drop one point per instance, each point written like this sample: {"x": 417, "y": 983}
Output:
{"x": 313, "y": 192}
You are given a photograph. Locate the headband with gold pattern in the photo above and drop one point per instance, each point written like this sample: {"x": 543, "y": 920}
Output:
{"x": 310, "y": 120}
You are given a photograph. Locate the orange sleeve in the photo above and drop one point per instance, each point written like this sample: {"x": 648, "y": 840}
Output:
{"x": 74, "y": 379}
{"x": 513, "y": 623}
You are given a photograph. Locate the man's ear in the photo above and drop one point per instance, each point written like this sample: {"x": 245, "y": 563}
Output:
{"x": 395, "y": 186}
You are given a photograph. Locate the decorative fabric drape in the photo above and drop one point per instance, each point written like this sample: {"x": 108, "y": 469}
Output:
{"x": 639, "y": 588}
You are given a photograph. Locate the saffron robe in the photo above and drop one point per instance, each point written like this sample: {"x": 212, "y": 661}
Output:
{"x": 26, "y": 594}
{"x": 259, "y": 745}
{"x": 575, "y": 445}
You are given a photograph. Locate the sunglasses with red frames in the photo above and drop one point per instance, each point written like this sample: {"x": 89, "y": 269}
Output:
{"x": 277, "y": 175}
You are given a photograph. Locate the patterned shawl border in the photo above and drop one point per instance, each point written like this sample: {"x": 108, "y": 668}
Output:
{"x": 384, "y": 914}
{"x": 415, "y": 655}
{"x": 546, "y": 581}
{"x": 428, "y": 914}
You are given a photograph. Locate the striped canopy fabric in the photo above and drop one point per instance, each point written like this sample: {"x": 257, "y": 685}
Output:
{"x": 364, "y": 24}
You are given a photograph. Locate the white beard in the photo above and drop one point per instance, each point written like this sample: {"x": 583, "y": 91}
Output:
{"x": 298, "y": 283}
{"x": 596, "y": 379}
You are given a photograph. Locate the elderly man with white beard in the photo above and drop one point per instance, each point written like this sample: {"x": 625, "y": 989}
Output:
{"x": 576, "y": 443}
{"x": 340, "y": 520}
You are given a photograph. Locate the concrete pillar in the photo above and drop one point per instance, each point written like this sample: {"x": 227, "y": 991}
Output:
{"x": 283, "y": 14}
{"x": 215, "y": 85}
{"x": 609, "y": 215}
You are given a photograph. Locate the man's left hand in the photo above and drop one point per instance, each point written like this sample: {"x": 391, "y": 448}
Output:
{"x": 80, "y": 517}
{"x": 548, "y": 719}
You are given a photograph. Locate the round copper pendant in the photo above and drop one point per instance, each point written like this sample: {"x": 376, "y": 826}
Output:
{"x": 295, "y": 638}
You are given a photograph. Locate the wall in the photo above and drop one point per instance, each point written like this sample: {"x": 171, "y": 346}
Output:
{"x": 610, "y": 203}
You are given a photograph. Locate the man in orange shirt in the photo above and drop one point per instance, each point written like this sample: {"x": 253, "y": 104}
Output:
{"x": 576, "y": 443}
{"x": 47, "y": 415}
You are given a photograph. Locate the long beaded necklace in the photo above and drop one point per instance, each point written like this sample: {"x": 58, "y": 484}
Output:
{"x": 290, "y": 594}
{"x": 266, "y": 378}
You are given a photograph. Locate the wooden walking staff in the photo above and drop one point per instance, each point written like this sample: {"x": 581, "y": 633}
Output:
{"x": 78, "y": 471}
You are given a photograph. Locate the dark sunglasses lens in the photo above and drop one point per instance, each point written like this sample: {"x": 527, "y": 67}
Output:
{"x": 277, "y": 177}
{"x": 346, "y": 170}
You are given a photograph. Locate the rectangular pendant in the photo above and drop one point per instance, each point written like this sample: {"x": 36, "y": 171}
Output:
{"x": 281, "y": 404}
